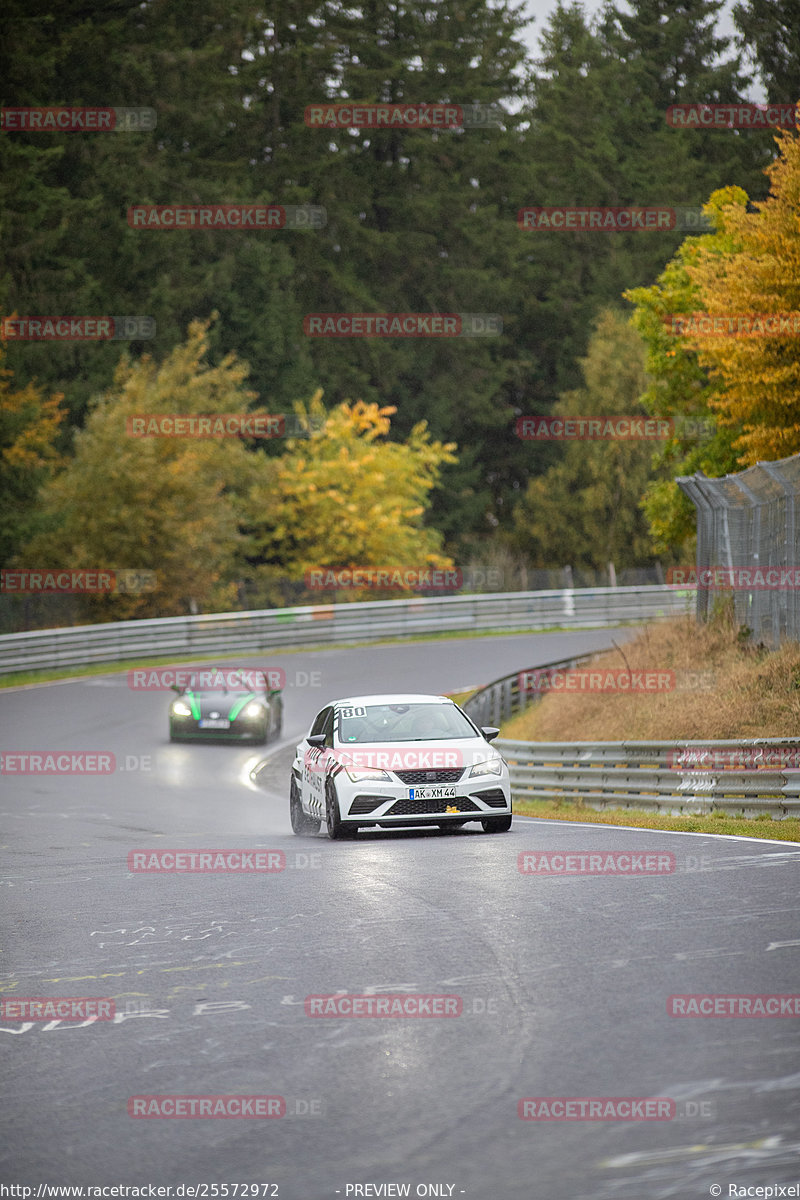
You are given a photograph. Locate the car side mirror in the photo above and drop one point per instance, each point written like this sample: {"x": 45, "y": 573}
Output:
{"x": 174, "y": 687}
{"x": 318, "y": 740}
{"x": 275, "y": 692}
{"x": 490, "y": 733}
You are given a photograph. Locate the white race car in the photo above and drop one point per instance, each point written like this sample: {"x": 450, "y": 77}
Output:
{"x": 397, "y": 760}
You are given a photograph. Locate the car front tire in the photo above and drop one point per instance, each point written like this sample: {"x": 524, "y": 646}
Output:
{"x": 333, "y": 821}
{"x": 497, "y": 824}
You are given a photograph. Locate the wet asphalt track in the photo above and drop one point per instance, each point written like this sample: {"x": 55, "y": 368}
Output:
{"x": 563, "y": 981}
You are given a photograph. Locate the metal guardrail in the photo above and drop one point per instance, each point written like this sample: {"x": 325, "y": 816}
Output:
{"x": 225, "y": 634}
{"x": 502, "y": 699}
{"x": 671, "y": 777}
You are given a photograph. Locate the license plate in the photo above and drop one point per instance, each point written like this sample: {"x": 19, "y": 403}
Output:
{"x": 215, "y": 724}
{"x": 432, "y": 793}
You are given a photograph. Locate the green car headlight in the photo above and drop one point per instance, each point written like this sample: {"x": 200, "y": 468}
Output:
{"x": 181, "y": 709}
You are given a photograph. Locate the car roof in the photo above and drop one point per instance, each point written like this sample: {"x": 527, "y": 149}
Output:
{"x": 391, "y": 698}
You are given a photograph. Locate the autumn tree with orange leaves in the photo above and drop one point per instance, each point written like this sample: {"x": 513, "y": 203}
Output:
{"x": 758, "y": 376}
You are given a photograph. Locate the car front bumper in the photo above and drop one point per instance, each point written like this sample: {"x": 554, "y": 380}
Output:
{"x": 363, "y": 803}
{"x": 187, "y": 729}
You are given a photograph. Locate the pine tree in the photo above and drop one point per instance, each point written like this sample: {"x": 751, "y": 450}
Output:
{"x": 770, "y": 31}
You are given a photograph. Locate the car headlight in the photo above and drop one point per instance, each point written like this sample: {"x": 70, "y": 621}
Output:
{"x": 255, "y": 709}
{"x": 492, "y": 766}
{"x": 359, "y": 773}
{"x": 181, "y": 709}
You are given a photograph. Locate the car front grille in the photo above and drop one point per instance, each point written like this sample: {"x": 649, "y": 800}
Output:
{"x": 494, "y": 797}
{"x": 366, "y": 804}
{"x": 416, "y": 808}
{"x": 431, "y": 775}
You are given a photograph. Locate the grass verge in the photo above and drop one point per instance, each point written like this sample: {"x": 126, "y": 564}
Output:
{"x": 725, "y": 687}
{"x": 787, "y": 830}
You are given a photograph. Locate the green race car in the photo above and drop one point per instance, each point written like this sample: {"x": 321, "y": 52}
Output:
{"x": 226, "y": 705}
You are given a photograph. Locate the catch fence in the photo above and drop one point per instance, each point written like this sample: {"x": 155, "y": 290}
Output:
{"x": 748, "y": 546}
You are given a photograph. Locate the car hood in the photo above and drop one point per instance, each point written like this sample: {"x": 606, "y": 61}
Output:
{"x": 223, "y": 703}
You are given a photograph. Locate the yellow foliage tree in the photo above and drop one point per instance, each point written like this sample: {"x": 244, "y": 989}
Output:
{"x": 347, "y": 497}
{"x": 759, "y": 376}
{"x": 205, "y": 515}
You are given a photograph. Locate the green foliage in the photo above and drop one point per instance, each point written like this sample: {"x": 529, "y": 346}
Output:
{"x": 168, "y": 505}
{"x": 29, "y": 427}
{"x": 584, "y": 510}
{"x": 208, "y": 515}
{"x": 770, "y": 31}
{"x": 417, "y": 220}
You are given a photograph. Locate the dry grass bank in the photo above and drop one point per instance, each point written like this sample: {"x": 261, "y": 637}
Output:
{"x": 754, "y": 692}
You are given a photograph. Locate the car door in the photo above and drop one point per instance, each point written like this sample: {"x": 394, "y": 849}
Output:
{"x": 314, "y": 759}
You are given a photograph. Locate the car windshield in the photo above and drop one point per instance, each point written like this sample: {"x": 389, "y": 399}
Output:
{"x": 402, "y": 723}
